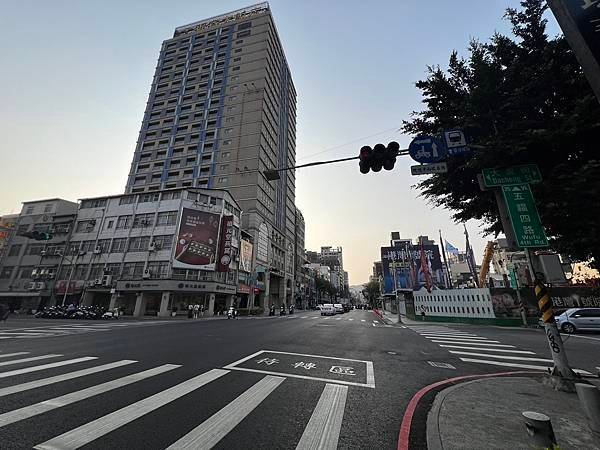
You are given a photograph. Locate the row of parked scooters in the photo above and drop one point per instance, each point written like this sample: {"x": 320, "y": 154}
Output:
{"x": 281, "y": 310}
{"x": 76, "y": 312}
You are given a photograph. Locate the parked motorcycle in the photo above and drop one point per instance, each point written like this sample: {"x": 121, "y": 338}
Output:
{"x": 272, "y": 310}
{"x": 231, "y": 313}
{"x": 282, "y": 311}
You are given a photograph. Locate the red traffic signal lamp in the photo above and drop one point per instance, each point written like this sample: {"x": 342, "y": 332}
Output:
{"x": 378, "y": 157}
{"x": 365, "y": 156}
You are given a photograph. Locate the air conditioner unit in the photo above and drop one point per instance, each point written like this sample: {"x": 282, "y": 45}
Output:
{"x": 50, "y": 275}
{"x": 90, "y": 283}
{"x": 97, "y": 281}
{"x": 97, "y": 250}
{"x": 147, "y": 273}
{"x": 40, "y": 285}
{"x": 43, "y": 253}
{"x": 35, "y": 273}
{"x": 152, "y": 246}
{"x": 106, "y": 280}
{"x": 31, "y": 286}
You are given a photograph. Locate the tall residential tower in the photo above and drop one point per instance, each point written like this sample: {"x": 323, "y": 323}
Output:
{"x": 221, "y": 110}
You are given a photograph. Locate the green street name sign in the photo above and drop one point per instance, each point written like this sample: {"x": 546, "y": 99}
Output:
{"x": 524, "y": 216}
{"x": 529, "y": 173}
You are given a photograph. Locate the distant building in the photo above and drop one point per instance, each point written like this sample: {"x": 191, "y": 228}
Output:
{"x": 8, "y": 224}
{"x": 30, "y": 269}
{"x": 313, "y": 257}
{"x": 332, "y": 257}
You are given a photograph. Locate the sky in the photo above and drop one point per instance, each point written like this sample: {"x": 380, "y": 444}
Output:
{"x": 76, "y": 77}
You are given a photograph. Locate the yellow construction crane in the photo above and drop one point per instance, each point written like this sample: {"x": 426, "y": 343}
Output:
{"x": 485, "y": 264}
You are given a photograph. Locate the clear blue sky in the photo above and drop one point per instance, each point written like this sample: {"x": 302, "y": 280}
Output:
{"x": 76, "y": 74}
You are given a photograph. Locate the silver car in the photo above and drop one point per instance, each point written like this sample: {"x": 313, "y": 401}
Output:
{"x": 575, "y": 319}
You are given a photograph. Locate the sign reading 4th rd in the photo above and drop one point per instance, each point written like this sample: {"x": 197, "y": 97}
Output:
{"x": 524, "y": 216}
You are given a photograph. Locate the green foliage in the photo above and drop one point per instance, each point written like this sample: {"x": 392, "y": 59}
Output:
{"x": 525, "y": 99}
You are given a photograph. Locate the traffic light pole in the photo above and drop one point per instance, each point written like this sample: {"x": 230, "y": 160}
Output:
{"x": 273, "y": 174}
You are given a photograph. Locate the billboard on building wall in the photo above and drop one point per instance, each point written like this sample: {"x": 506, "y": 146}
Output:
{"x": 402, "y": 267}
{"x": 197, "y": 240}
{"x": 245, "y": 256}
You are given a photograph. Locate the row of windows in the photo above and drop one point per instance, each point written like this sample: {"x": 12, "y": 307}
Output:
{"x": 454, "y": 298}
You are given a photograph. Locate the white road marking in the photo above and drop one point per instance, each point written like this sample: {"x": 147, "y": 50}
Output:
{"x": 518, "y": 358}
{"x": 350, "y": 319}
{"x": 46, "y": 366}
{"x": 524, "y": 352}
{"x": 323, "y": 429}
{"x": 304, "y": 317}
{"x": 474, "y": 343}
{"x": 64, "y": 400}
{"x": 67, "y": 376}
{"x": 338, "y": 318}
{"x": 91, "y": 431}
{"x": 211, "y": 431}
{"x": 362, "y": 320}
{"x": 8, "y": 355}
{"x": 375, "y": 321}
{"x": 374, "y": 325}
{"x": 24, "y": 360}
{"x": 465, "y": 339}
{"x": 522, "y": 366}
{"x": 446, "y": 334}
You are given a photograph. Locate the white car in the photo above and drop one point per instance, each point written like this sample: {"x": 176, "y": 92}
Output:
{"x": 327, "y": 310}
{"x": 339, "y": 309}
{"x": 574, "y": 319}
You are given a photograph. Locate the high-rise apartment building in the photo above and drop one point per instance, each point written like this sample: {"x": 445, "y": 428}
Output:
{"x": 221, "y": 110}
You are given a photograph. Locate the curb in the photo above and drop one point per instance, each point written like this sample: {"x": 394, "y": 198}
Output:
{"x": 404, "y": 435}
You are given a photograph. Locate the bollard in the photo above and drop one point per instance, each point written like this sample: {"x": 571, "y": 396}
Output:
{"x": 589, "y": 396}
{"x": 539, "y": 429}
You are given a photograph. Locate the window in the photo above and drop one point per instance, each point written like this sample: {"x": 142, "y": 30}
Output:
{"x": 118, "y": 245}
{"x": 171, "y": 195}
{"x": 132, "y": 270}
{"x": 85, "y": 226}
{"x": 6, "y": 272}
{"x": 145, "y": 198}
{"x": 143, "y": 220}
{"x": 166, "y": 218}
{"x": 87, "y": 246}
{"x": 124, "y": 222}
{"x": 96, "y": 271}
{"x": 25, "y": 272}
{"x": 104, "y": 245}
{"x": 29, "y": 209}
{"x": 48, "y": 208}
{"x": 22, "y": 229}
{"x": 159, "y": 269}
{"x": 34, "y": 249}
{"x": 222, "y": 179}
{"x": 15, "y": 250}
{"x": 163, "y": 242}
{"x": 243, "y": 34}
{"x": 113, "y": 269}
{"x": 109, "y": 223}
{"x": 244, "y": 26}
{"x": 138, "y": 244}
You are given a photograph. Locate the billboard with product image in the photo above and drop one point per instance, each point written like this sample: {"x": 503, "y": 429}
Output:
{"x": 402, "y": 267}
{"x": 197, "y": 240}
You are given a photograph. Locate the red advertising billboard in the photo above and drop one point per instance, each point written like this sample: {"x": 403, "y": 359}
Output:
{"x": 197, "y": 240}
{"x": 225, "y": 248}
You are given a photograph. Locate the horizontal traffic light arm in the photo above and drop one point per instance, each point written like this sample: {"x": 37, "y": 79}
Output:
{"x": 273, "y": 174}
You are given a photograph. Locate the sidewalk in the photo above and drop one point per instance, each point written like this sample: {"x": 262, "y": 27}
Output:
{"x": 486, "y": 414}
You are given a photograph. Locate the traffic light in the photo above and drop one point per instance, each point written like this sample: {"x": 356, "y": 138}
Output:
{"x": 390, "y": 155}
{"x": 378, "y": 157}
{"x": 37, "y": 235}
{"x": 365, "y": 159}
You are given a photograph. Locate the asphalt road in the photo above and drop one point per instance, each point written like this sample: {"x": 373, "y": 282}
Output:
{"x": 299, "y": 381}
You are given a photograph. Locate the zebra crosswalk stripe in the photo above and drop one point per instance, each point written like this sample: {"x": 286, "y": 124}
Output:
{"x": 46, "y": 366}
{"x": 8, "y": 355}
{"x": 73, "y": 397}
{"x": 323, "y": 429}
{"x": 487, "y": 349}
{"x": 25, "y": 360}
{"x": 211, "y": 431}
{"x": 57, "y": 379}
{"x": 517, "y": 358}
{"x": 445, "y": 341}
{"x": 470, "y": 339}
{"x": 91, "y": 431}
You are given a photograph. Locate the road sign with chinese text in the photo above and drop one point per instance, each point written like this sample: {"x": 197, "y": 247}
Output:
{"x": 529, "y": 173}
{"x": 524, "y": 216}
{"x": 424, "y": 169}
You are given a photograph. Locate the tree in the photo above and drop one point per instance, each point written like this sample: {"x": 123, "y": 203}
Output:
{"x": 524, "y": 99}
{"x": 371, "y": 291}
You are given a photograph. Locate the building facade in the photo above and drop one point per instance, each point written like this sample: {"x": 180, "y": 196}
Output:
{"x": 29, "y": 269}
{"x": 155, "y": 253}
{"x": 221, "y": 110}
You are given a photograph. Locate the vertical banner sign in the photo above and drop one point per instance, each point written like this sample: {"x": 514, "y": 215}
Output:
{"x": 524, "y": 216}
{"x": 225, "y": 248}
{"x": 245, "y": 256}
{"x": 197, "y": 239}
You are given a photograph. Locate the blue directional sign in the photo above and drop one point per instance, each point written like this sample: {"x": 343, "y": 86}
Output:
{"x": 427, "y": 149}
